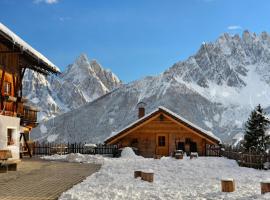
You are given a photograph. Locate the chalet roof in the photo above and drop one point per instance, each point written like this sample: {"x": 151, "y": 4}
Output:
{"x": 177, "y": 117}
{"x": 9, "y": 35}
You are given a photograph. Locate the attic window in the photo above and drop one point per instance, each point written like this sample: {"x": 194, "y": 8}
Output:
{"x": 161, "y": 117}
{"x": 7, "y": 88}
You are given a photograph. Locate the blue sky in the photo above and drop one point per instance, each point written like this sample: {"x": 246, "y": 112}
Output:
{"x": 134, "y": 38}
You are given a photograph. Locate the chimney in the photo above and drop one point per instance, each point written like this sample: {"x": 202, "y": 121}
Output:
{"x": 141, "y": 109}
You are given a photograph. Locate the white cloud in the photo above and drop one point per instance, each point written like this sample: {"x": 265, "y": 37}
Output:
{"x": 234, "y": 27}
{"x": 64, "y": 18}
{"x": 46, "y": 1}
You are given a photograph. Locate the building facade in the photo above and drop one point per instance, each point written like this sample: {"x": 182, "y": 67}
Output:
{"x": 17, "y": 118}
{"x": 161, "y": 133}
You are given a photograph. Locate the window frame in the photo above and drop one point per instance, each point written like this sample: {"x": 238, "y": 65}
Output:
{"x": 10, "y": 136}
{"x": 7, "y": 87}
{"x": 161, "y": 141}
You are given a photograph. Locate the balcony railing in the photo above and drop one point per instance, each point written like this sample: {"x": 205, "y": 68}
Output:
{"x": 29, "y": 114}
{"x": 16, "y": 108}
{"x": 8, "y": 107}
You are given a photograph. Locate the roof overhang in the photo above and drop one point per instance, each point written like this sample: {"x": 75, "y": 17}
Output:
{"x": 19, "y": 46}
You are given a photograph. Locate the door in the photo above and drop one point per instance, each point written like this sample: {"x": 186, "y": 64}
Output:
{"x": 162, "y": 147}
{"x": 181, "y": 146}
{"x": 193, "y": 147}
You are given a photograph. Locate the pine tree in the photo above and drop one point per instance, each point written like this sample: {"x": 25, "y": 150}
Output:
{"x": 255, "y": 138}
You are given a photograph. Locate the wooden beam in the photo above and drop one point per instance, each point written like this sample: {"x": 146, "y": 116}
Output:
{"x": 15, "y": 92}
{"x": 21, "y": 80}
{"x": 10, "y": 52}
{"x": 1, "y": 86}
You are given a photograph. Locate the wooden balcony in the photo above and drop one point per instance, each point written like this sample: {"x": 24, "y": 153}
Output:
{"x": 17, "y": 108}
{"x": 8, "y": 107}
{"x": 29, "y": 116}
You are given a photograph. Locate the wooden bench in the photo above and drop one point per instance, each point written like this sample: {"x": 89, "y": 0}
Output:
{"x": 6, "y": 161}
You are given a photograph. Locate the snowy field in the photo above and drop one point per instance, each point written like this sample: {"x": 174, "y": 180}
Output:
{"x": 174, "y": 179}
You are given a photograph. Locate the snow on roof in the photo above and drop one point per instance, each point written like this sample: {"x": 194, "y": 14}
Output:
{"x": 26, "y": 47}
{"x": 209, "y": 133}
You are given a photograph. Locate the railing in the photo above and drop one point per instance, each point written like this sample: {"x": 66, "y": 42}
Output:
{"x": 212, "y": 150}
{"x": 29, "y": 115}
{"x": 9, "y": 105}
{"x": 53, "y": 148}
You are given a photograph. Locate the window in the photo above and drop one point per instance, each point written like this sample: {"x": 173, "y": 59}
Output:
{"x": 10, "y": 139}
{"x": 7, "y": 88}
{"x": 161, "y": 141}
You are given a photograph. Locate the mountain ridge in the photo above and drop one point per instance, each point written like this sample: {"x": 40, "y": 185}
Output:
{"x": 216, "y": 88}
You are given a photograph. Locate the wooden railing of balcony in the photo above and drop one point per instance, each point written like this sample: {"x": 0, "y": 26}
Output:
{"x": 30, "y": 115}
{"x": 8, "y": 108}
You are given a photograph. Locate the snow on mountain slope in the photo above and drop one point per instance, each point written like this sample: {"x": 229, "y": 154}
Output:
{"x": 96, "y": 121}
{"x": 82, "y": 82}
{"x": 216, "y": 89}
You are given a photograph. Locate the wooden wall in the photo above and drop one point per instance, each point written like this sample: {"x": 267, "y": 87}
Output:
{"x": 144, "y": 138}
{"x": 9, "y": 61}
{"x": 10, "y": 72}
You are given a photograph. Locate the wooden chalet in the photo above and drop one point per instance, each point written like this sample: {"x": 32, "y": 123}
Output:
{"x": 161, "y": 133}
{"x": 16, "y": 116}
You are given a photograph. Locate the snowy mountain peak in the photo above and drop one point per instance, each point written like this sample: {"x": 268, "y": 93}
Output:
{"x": 82, "y": 82}
{"x": 82, "y": 59}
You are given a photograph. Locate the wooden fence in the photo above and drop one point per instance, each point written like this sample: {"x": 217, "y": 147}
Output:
{"x": 212, "y": 150}
{"x": 252, "y": 160}
{"x": 52, "y": 148}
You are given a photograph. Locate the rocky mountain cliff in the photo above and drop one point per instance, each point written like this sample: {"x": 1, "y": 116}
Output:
{"x": 216, "y": 89}
{"x": 81, "y": 82}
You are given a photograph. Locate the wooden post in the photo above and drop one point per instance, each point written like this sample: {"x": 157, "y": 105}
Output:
{"x": 137, "y": 174}
{"x": 227, "y": 185}
{"x": 265, "y": 187}
{"x": 147, "y": 176}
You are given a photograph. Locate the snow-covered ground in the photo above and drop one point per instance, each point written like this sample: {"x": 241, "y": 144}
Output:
{"x": 173, "y": 179}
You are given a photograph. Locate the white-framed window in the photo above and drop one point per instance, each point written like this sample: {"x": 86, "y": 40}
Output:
{"x": 7, "y": 88}
{"x": 11, "y": 136}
